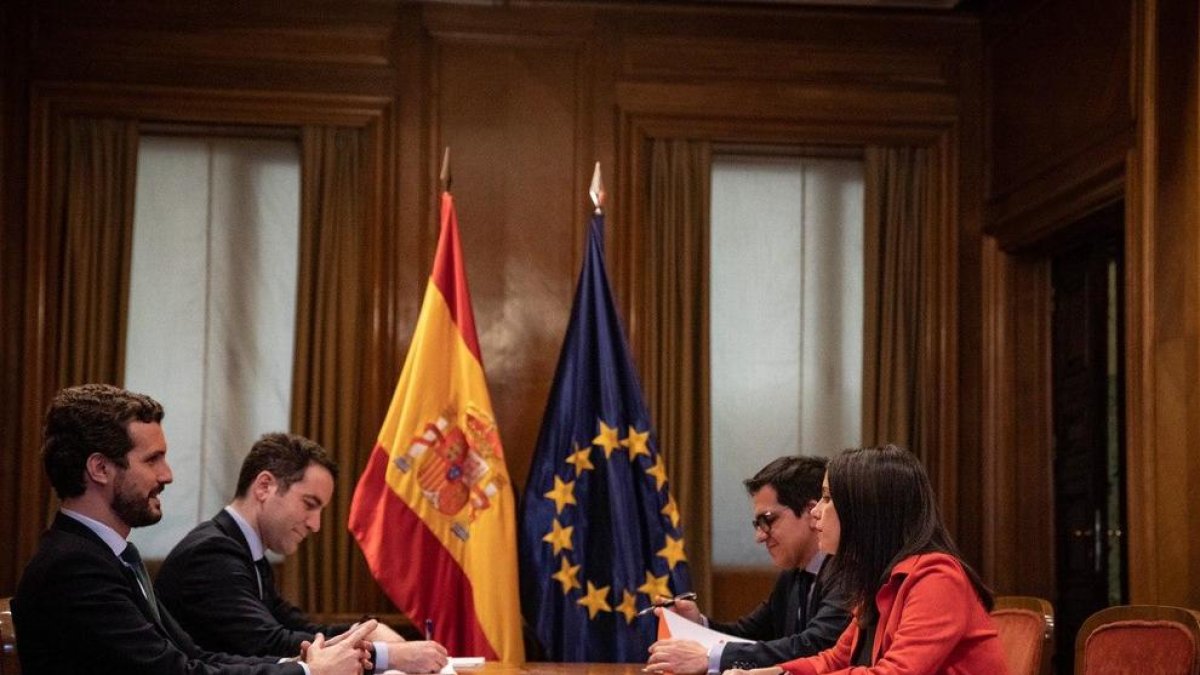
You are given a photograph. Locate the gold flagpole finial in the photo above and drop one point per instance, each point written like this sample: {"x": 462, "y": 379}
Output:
{"x": 597, "y": 190}
{"x": 445, "y": 176}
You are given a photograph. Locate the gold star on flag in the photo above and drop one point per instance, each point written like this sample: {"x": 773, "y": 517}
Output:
{"x": 655, "y": 587}
{"x": 566, "y": 575}
{"x": 671, "y": 511}
{"x": 637, "y": 443}
{"x": 607, "y": 439}
{"x": 659, "y": 472}
{"x": 672, "y": 552}
{"x": 628, "y": 606}
{"x": 581, "y": 459}
{"x": 562, "y": 494}
{"x": 560, "y": 537}
{"x": 595, "y": 600}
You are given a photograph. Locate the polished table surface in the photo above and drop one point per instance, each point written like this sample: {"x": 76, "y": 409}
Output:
{"x": 494, "y": 668}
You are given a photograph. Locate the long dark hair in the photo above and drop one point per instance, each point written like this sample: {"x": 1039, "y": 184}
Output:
{"x": 887, "y": 511}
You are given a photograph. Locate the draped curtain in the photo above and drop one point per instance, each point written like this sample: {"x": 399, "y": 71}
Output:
{"x": 899, "y": 226}
{"x": 89, "y": 234}
{"x": 673, "y": 343}
{"x": 328, "y": 573}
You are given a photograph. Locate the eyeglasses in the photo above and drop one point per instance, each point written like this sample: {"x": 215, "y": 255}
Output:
{"x": 766, "y": 519}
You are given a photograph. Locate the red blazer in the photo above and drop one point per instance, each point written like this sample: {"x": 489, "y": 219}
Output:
{"x": 930, "y": 621}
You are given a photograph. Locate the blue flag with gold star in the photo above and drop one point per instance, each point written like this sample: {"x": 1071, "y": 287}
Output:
{"x": 600, "y": 536}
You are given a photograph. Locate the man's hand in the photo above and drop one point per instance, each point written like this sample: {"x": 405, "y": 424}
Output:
{"x": 384, "y": 633}
{"x": 346, "y": 656}
{"x": 689, "y": 610}
{"x": 417, "y": 656}
{"x": 682, "y": 657}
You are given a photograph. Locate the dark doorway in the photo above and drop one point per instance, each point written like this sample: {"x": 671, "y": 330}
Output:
{"x": 1088, "y": 412}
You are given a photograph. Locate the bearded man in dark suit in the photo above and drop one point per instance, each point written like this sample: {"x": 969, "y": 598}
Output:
{"x": 85, "y": 603}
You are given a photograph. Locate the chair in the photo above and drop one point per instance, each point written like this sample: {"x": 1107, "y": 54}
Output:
{"x": 8, "y": 641}
{"x": 1026, "y": 627}
{"x": 1144, "y": 639}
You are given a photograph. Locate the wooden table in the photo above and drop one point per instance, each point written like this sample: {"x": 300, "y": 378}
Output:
{"x": 493, "y": 668}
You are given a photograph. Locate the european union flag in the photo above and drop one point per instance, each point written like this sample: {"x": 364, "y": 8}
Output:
{"x": 600, "y": 532}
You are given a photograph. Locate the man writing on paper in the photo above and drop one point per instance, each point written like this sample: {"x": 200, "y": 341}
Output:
{"x": 84, "y": 603}
{"x": 804, "y": 613}
{"x": 220, "y": 585}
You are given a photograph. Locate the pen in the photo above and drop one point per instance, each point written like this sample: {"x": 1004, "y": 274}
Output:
{"x": 428, "y": 629}
{"x": 667, "y": 603}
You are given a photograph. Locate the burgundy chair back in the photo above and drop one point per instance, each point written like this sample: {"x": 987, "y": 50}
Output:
{"x": 1144, "y": 639}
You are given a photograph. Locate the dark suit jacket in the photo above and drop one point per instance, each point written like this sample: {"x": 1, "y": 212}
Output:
{"x": 78, "y": 609}
{"x": 774, "y": 624}
{"x": 209, "y": 583}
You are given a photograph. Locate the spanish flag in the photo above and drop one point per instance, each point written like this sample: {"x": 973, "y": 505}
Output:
{"x": 434, "y": 511}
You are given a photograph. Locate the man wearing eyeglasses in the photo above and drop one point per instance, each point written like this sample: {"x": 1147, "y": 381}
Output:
{"x": 804, "y": 614}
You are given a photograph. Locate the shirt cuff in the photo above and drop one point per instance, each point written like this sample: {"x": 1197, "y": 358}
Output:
{"x": 305, "y": 667}
{"x": 381, "y": 656}
{"x": 714, "y": 658}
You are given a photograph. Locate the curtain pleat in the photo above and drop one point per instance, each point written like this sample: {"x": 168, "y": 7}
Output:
{"x": 92, "y": 229}
{"x": 89, "y": 234}
{"x": 901, "y": 205}
{"x": 326, "y": 573}
{"x": 672, "y": 278}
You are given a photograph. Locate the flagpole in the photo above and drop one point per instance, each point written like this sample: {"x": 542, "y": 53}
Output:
{"x": 596, "y": 191}
{"x": 445, "y": 175}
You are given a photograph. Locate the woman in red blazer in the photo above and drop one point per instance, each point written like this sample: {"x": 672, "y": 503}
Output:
{"x": 919, "y": 609}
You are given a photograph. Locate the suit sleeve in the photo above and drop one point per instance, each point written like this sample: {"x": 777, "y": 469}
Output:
{"x": 760, "y": 623}
{"x": 215, "y": 594}
{"x": 827, "y": 624}
{"x": 96, "y": 611}
{"x": 933, "y": 620}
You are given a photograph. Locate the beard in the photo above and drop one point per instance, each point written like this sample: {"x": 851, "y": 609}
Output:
{"x": 135, "y": 509}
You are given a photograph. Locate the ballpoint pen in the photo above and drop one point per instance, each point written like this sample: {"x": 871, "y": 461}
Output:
{"x": 428, "y": 629}
{"x": 668, "y": 602}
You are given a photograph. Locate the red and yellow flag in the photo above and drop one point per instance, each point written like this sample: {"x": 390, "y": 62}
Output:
{"x": 434, "y": 511}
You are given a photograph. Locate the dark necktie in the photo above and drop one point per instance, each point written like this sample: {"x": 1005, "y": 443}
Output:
{"x": 805, "y": 588}
{"x": 134, "y": 559}
{"x": 266, "y": 577}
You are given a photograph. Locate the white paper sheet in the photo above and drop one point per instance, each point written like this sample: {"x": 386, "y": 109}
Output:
{"x": 683, "y": 629}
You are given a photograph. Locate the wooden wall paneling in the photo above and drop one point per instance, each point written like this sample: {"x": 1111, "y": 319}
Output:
{"x": 14, "y": 97}
{"x": 969, "y": 132}
{"x": 514, "y": 109}
{"x": 1018, "y": 541}
{"x": 1164, "y": 506}
{"x": 274, "y": 44}
{"x": 1059, "y": 80}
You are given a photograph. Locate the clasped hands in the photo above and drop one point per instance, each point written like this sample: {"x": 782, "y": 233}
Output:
{"x": 353, "y": 649}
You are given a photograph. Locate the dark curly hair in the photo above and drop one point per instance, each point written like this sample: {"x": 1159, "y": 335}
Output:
{"x": 86, "y": 419}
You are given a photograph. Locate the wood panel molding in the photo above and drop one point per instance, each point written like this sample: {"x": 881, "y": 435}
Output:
{"x": 673, "y": 58}
{"x": 237, "y": 33}
{"x": 1042, "y": 206}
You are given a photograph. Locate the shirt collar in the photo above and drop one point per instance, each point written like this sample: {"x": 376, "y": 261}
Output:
{"x": 814, "y": 566}
{"x": 108, "y": 535}
{"x": 251, "y": 535}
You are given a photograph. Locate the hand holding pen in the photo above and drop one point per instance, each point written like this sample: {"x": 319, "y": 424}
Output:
{"x": 684, "y": 605}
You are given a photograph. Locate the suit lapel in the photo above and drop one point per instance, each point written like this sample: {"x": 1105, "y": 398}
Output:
{"x": 69, "y": 525}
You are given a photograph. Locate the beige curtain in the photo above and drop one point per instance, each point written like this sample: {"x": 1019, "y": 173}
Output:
{"x": 328, "y": 575}
{"x": 89, "y": 235}
{"x": 672, "y": 343}
{"x": 92, "y": 232}
{"x": 899, "y": 229}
